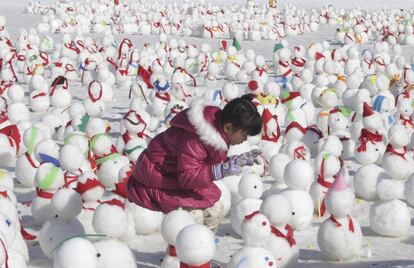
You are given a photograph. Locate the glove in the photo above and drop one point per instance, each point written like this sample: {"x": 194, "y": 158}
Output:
{"x": 228, "y": 168}
{"x": 248, "y": 158}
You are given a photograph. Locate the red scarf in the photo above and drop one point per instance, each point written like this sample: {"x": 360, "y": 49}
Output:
{"x": 171, "y": 251}
{"x": 338, "y": 224}
{"x": 407, "y": 122}
{"x": 114, "y": 202}
{"x": 205, "y": 265}
{"x": 81, "y": 188}
{"x": 368, "y": 136}
{"x": 12, "y": 132}
{"x": 321, "y": 180}
{"x": 392, "y": 151}
{"x": 43, "y": 194}
{"x": 289, "y": 236}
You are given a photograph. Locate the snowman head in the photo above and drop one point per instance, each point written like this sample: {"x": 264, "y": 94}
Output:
{"x": 71, "y": 158}
{"x": 101, "y": 145}
{"x": 328, "y": 164}
{"x": 253, "y": 257}
{"x": 255, "y": 229}
{"x": 279, "y": 215}
{"x": 398, "y": 136}
{"x": 405, "y": 107}
{"x": 277, "y": 166}
{"x": 47, "y": 151}
{"x": 340, "y": 198}
{"x": 230, "y": 91}
{"x": 110, "y": 219}
{"x": 136, "y": 122}
{"x": 337, "y": 121}
{"x": 173, "y": 223}
{"x": 195, "y": 245}
{"x": 331, "y": 144}
{"x": 298, "y": 175}
{"x": 49, "y": 177}
{"x": 250, "y": 186}
{"x": 371, "y": 119}
{"x": 95, "y": 126}
{"x": 255, "y": 87}
{"x": 67, "y": 204}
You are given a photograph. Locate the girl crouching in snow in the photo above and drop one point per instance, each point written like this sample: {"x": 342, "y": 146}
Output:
{"x": 179, "y": 166}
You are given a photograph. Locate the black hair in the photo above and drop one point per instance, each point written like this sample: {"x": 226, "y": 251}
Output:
{"x": 243, "y": 115}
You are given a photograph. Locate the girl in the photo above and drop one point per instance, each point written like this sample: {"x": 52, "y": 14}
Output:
{"x": 179, "y": 166}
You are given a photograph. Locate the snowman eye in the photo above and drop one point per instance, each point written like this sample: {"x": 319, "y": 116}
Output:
{"x": 293, "y": 213}
{"x": 255, "y": 187}
{"x": 264, "y": 223}
{"x": 50, "y": 239}
{"x": 98, "y": 255}
{"x": 56, "y": 216}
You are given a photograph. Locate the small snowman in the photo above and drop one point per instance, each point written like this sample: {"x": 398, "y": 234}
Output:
{"x": 171, "y": 226}
{"x": 66, "y": 205}
{"x": 370, "y": 147}
{"x": 293, "y": 102}
{"x": 110, "y": 218}
{"x": 113, "y": 253}
{"x": 260, "y": 73}
{"x": 195, "y": 246}
{"x": 298, "y": 177}
{"x": 282, "y": 243}
{"x": 397, "y": 161}
{"x": 340, "y": 236}
{"x": 366, "y": 179}
{"x": 389, "y": 216}
{"x": 250, "y": 189}
{"x": 327, "y": 166}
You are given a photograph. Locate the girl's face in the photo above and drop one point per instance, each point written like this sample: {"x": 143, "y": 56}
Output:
{"x": 234, "y": 136}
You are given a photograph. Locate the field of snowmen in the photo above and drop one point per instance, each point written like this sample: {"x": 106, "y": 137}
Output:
{"x": 79, "y": 102}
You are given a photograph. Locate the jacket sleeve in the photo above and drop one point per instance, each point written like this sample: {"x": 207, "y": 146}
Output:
{"x": 192, "y": 170}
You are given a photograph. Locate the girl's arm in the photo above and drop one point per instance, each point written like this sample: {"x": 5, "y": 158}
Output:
{"x": 192, "y": 170}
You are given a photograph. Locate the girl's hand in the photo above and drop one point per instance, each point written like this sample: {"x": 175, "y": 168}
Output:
{"x": 228, "y": 168}
{"x": 248, "y": 158}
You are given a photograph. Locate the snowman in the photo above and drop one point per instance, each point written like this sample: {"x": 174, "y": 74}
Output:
{"x": 327, "y": 166}
{"x": 271, "y": 134}
{"x": 146, "y": 221}
{"x": 250, "y": 189}
{"x": 369, "y": 148}
{"x": 338, "y": 125}
{"x": 340, "y": 236}
{"x": 282, "y": 243}
{"x": 65, "y": 205}
{"x": 195, "y": 246}
{"x": 293, "y": 102}
{"x": 73, "y": 161}
{"x": 389, "y": 216}
{"x": 110, "y": 218}
{"x": 48, "y": 179}
{"x": 298, "y": 177}
{"x": 171, "y": 226}
{"x": 94, "y": 104}
{"x": 366, "y": 179}
{"x": 397, "y": 161}
{"x": 256, "y": 230}
{"x": 260, "y": 73}
{"x": 405, "y": 111}
{"x": 135, "y": 124}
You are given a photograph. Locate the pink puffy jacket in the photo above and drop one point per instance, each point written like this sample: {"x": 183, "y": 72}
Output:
{"x": 175, "y": 170}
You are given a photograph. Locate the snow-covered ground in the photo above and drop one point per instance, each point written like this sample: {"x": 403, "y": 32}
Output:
{"x": 386, "y": 252}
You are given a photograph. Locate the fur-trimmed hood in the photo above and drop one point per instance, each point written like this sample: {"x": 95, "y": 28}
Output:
{"x": 203, "y": 120}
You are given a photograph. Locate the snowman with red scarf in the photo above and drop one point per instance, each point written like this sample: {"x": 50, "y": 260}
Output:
{"x": 282, "y": 243}
{"x": 405, "y": 112}
{"x": 260, "y": 73}
{"x": 293, "y": 101}
{"x": 134, "y": 124}
{"x": 340, "y": 236}
{"x": 327, "y": 166}
{"x": 271, "y": 134}
{"x": 397, "y": 160}
{"x": 370, "y": 147}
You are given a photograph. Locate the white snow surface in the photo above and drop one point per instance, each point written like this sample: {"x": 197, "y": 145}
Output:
{"x": 149, "y": 250}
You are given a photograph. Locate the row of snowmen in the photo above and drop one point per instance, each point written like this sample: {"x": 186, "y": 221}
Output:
{"x": 190, "y": 19}
{"x": 394, "y": 26}
{"x": 302, "y": 108}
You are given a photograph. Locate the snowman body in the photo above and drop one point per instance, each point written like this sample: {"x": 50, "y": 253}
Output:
{"x": 340, "y": 236}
